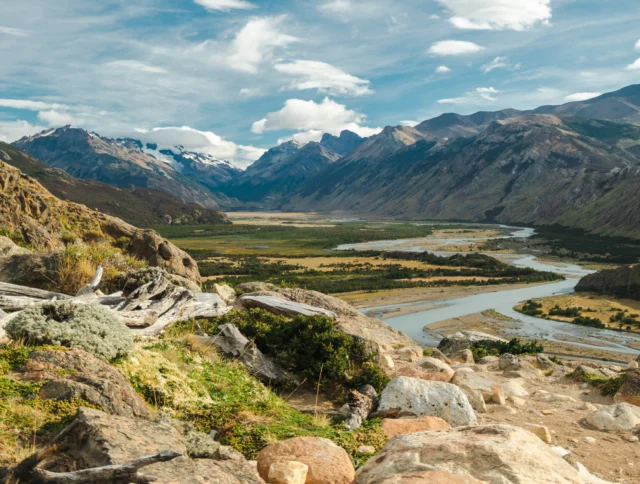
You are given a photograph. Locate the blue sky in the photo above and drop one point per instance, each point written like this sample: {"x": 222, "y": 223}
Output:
{"x": 233, "y": 77}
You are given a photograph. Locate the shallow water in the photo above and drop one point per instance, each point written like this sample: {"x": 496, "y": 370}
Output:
{"x": 502, "y": 301}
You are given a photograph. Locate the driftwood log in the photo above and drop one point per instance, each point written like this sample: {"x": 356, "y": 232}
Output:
{"x": 27, "y": 471}
{"x": 147, "y": 310}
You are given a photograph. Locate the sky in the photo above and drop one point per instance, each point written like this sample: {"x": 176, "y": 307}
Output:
{"x": 235, "y": 77}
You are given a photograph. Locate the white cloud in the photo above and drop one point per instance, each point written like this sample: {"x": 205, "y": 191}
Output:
{"x": 13, "y": 31}
{"x": 442, "y": 70}
{"x": 28, "y": 105}
{"x": 479, "y": 94}
{"x": 326, "y": 78}
{"x": 256, "y": 42}
{"x": 250, "y": 92}
{"x": 581, "y": 96}
{"x": 497, "y": 63}
{"x": 411, "y": 123}
{"x": 336, "y": 7}
{"x": 226, "y": 5}
{"x": 454, "y": 47}
{"x": 137, "y": 66}
{"x": 202, "y": 142}
{"x": 326, "y": 117}
{"x": 497, "y": 14}
{"x": 637, "y": 46}
{"x": 11, "y": 131}
{"x": 635, "y": 66}
{"x": 303, "y": 137}
{"x": 56, "y": 118}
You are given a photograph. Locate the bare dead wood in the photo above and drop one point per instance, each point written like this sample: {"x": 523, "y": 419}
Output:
{"x": 14, "y": 297}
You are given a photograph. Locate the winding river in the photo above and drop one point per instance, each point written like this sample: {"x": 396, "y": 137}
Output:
{"x": 502, "y": 301}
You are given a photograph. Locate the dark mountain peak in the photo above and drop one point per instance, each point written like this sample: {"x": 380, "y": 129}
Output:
{"x": 343, "y": 144}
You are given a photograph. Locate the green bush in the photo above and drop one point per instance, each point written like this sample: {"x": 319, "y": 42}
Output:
{"x": 90, "y": 327}
{"x": 499, "y": 348}
{"x": 311, "y": 347}
{"x": 532, "y": 308}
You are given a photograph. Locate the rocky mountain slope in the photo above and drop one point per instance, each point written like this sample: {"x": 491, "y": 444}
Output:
{"x": 32, "y": 216}
{"x": 282, "y": 169}
{"x": 623, "y": 282}
{"x": 533, "y": 169}
{"x": 121, "y": 163}
{"x": 142, "y": 207}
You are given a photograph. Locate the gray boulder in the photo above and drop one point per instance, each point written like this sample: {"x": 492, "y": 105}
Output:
{"x": 622, "y": 416}
{"x": 465, "y": 340}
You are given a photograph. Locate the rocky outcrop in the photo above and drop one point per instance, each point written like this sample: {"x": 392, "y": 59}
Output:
{"x": 74, "y": 373}
{"x": 465, "y": 340}
{"x": 406, "y": 396}
{"x": 327, "y": 463}
{"x": 491, "y": 453}
{"x": 283, "y": 307}
{"x": 621, "y": 416}
{"x": 622, "y": 282}
{"x": 41, "y": 220}
{"x": 97, "y": 439}
{"x": 9, "y": 248}
{"x": 630, "y": 390}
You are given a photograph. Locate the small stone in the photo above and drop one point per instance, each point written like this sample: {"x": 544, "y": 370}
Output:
{"x": 589, "y": 440}
{"x": 547, "y": 411}
{"x": 366, "y": 449}
{"x": 498, "y": 395}
{"x": 633, "y": 438}
{"x": 541, "y": 431}
{"x": 517, "y": 402}
{"x": 288, "y": 472}
{"x": 387, "y": 362}
{"x": 632, "y": 365}
{"x": 588, "y": 406}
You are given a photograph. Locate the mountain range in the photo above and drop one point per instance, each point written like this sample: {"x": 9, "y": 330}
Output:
{"x": 576, "y": 165}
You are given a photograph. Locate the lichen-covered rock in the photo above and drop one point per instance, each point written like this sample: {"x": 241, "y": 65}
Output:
{"x": 487, "y": 454}
{"x": 92, "y": 327}
{"x": 99, "y": 439}
{"x": 78, "y": 374}
{"x": 507, "y": 360}
{"x": 630, "y": 390}
{"x": 413, "y": 397}
{"x": 465, "y": 340}
{"x": 328, "y": 463}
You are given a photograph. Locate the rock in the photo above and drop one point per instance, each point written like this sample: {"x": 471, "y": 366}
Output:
{"x": 584, "y": 372}
{"x": 557, "y": 398}
{"x": 545, "y": 364}
{"x": 9, "y": 248}
{"x": 633, "y": 438}
{"x": 621, "y": 416}
{"x": 541, "y": 431}
{"x": 484, "y": 383}
{"x": 497, "y": 396}
{"x": 514, "y": 388}
{"x": 589, "y": 440}
{"x": 289, "y": 472}
{"x": 489, "y": 454}
{"x": 507, "y": 360}
{"x": 411, "y": 396}
{"x": 517, "y": 402}
{"x": 633, "y": 365}
{"x": 465, "y": 340}
{"x": 366, "y": 449}
{"x": 74, "y": 373}
{"x": 200, "y": 445}
{"x": 392, "y": 427}
{"x": 439, "y": 369}
{"x": 327, "y": 463}
{"x": 227, "y": 293}
{"x": 439, "y": 355}
{"x": 488, "y": 360}
{"x": 463, "y": 356}
{"x": 360, "y": 406}
{"x": 249, "y": 287}
{"x": 588, "y": 406}
{"x": 386, "y": 362}
{"x": 99, "y": 439}
{"x": 524, "y": 370}
{"x": 630, "y": 390}
{"x": 476, "y": 399}
{"x": 283, "y": 307}
{"x": 235, "y": 345}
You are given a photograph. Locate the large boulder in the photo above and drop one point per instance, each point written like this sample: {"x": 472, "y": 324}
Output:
{"x": 630, "y": 390}
{"x": 327, "y": 463}
{"x": 9, "y": 248}
{"x": 283, "y": 307}
{"x": 439, "y": 369}
{"x": 77, "y": 374}
{"x": 465, "y": 340}
{"x": 405, "y": 396}
{"x": 497, "y": 454}
{"x": 400, "y": 426}
{"x": 621, "y": 416}
{"x": 98, "y": 439}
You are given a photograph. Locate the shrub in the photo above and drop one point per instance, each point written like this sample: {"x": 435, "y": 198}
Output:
{"x": 532, "y": 308}
{"x": 590, "y": 322}
{"x": 309, "y": 346}
{"x": 567, "y": 312}
{"x": 498, "y": 348}
{"x": 90, "y": 327}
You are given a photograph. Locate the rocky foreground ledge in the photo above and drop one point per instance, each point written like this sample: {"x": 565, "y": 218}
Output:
{"x": 448, "y": 417}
